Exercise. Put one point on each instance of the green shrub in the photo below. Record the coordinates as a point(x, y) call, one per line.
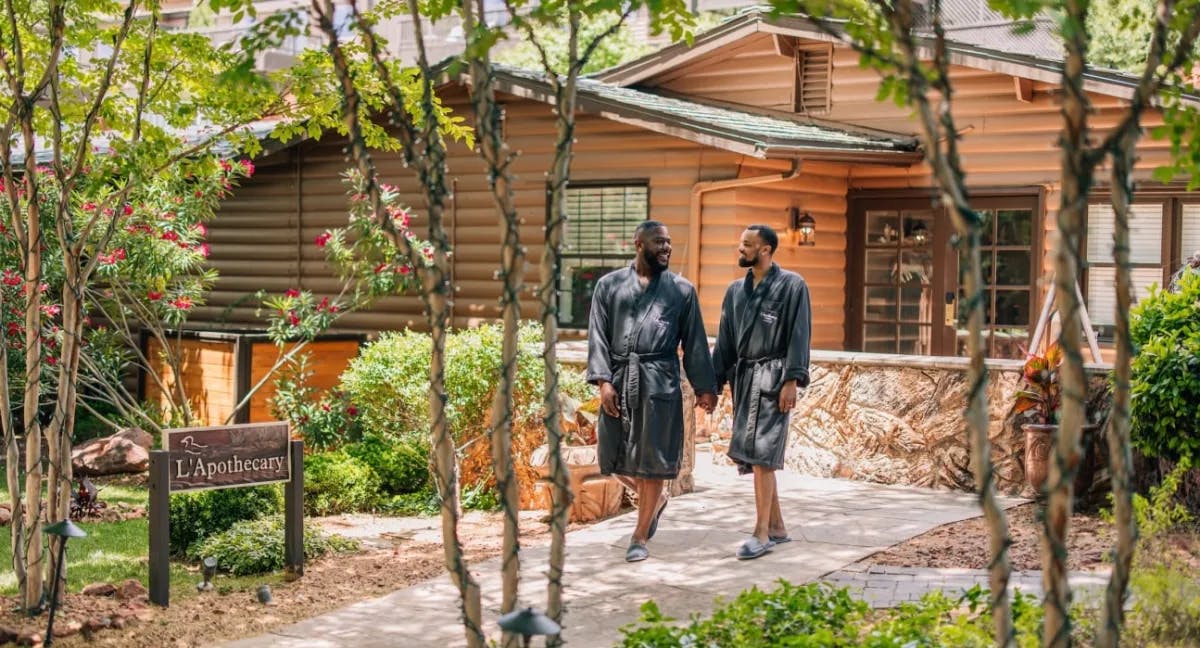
point(1165, 328)
point(196, 516)
point(335, 482)
point(420, 503)
point(818, 615)
point(256, 546)
point(402, 467)
point(389, 381)
point(325, 420)
point(1166, 607)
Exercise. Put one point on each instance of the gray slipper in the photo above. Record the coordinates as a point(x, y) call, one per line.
point(752, 549)
point(636, 552)
point(777, 540)
point(654, 522)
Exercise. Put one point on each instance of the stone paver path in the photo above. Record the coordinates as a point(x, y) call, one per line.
point(884, 586)
point(834, 523)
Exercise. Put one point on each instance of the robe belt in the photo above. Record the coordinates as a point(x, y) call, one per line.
point(756, 366)
point(631, 391)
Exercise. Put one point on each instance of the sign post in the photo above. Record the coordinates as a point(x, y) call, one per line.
point(233, 456)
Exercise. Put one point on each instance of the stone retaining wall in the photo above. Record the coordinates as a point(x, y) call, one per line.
point(899, 420)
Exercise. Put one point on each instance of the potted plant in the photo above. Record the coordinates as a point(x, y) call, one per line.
point(1040, 399)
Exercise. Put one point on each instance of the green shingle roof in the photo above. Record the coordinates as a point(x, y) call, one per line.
point(757, 134)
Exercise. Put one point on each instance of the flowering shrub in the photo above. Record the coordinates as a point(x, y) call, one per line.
point(147, 249)
point(364, 256)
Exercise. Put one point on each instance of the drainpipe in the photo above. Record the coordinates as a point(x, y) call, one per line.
point(697, 202)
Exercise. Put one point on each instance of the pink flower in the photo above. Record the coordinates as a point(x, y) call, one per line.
point(200, 229)
point(154, 295)
point(404, 269)
point(352, 410)
point(198, 193)
point(380, 268)
point(128, 210)
point(51, 360)
point(323, 305)
point(182, 303)
point(325, 406)
point(293, 318)
point(170, 236)
point(51, 309)
point(248, 167)
point(205, 250)
point(225, 165)
point(89, 206)
point(292, 293)
point(11, 278)
point(323, 239)
point(119, 254)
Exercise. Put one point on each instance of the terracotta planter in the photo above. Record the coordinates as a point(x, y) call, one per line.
point(1039, 449)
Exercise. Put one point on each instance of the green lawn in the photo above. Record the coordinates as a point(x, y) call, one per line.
point(115, 551)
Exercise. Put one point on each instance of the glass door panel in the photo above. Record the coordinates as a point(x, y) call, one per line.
point(898, 292)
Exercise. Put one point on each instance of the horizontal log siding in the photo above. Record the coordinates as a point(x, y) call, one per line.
point(820, 188)
point(208, 370)
point(263, 237)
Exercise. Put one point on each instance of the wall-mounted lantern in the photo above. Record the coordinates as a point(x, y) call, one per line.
point(802, 227)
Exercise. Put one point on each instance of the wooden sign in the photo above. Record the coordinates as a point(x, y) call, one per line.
point(227, 456)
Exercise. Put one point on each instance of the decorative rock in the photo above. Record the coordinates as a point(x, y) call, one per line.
point(92, 625)
point(5, 514)
point(67, 627)
point(29, 639)
point(130, 589)
point(596, 496)
point(117, 621)
point(127, 451)
point(99, 589)
point(7, 636)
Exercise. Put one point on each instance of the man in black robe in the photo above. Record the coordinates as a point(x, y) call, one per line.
point(762, 351)
point(640, 316)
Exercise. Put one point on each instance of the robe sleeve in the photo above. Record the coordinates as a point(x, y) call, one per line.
point(725, 351)
point(697, 361)
point(798, 343)
point(599, 366)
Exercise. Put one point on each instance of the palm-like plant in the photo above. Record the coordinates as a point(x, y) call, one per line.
point(1041, 392)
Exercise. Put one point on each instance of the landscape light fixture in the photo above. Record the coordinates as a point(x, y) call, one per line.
point(64, 530)
point(210, 572)
point(802, 227)
point(528, 622)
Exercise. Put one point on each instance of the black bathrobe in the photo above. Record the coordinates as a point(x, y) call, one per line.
point(634, 335)
point(762, 342)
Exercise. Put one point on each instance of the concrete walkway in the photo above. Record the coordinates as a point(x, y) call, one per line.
point(884, 586)
point(834, 523)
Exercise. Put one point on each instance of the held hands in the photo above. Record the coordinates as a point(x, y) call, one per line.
point(608, 400)
point(707, 401)
point(787, 396)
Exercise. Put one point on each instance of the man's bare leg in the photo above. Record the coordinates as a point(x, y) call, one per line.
point(648, 491)
point(632, 484)
point(775, 527)
point(764, 501)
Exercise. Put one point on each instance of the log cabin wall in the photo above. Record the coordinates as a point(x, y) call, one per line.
point(1007, 140)
point(264, 235)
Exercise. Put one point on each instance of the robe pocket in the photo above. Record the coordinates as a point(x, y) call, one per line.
point(770, 378)
point(664, 416)
point(770, 311)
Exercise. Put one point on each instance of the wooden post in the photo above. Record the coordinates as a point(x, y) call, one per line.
point(160, 527)
point(293, 512)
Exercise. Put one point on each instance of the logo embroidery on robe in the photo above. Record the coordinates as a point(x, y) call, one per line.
point(769, 318)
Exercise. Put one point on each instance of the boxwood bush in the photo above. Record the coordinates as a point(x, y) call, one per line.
point(196, 516)
point(256, 546)
point(402, 467)
point(389, 381)
point(1165, 327)
point(336, 482)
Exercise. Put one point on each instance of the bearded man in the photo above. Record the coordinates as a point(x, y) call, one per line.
point(762, 351)
point(640, 317)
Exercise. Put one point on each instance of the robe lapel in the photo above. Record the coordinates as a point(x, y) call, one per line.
point(643, 306)
point(749, 315)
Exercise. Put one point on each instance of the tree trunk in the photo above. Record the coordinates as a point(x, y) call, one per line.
point(498, 157)
point(1076, 183)
point(1119, 454)
point(62, 424)
point(31, 594)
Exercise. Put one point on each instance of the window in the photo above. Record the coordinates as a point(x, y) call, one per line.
point(906, 279)
point(598, 240)
point(1162, 232)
